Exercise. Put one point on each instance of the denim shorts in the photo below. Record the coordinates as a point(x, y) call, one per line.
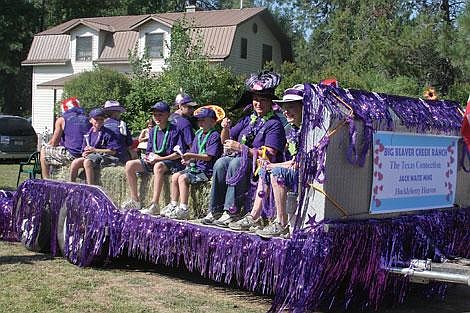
point(289, 177)
point(173, 166)
point(194, 176)
point(102, 160)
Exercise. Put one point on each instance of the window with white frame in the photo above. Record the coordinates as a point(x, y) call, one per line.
point(84, 48)
point(154, 45)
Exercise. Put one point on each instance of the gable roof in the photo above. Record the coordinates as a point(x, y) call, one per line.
point(217, 28)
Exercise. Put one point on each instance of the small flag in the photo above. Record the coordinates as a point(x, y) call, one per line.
point(465, 131)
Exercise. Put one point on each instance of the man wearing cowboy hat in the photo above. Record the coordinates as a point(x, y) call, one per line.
point(113, 110)
point(66, 142)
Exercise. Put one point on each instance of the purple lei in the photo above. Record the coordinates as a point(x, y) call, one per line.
point(242, 170)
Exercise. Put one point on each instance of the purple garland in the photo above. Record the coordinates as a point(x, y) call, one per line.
point(7, 229)
point(242, 170)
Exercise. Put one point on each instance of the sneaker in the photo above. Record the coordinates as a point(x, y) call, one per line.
point(131, 204)
point(273, 230)
point(211, 218)
point(245, 224)
point(153, 209)
point(179, 213)
point(226, 219)
point(166, 211)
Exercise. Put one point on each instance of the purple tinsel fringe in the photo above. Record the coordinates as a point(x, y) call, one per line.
point(341, 267)
point(7, 229)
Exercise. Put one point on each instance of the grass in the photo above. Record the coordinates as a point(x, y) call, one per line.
point(8, 176)
point(34, 282)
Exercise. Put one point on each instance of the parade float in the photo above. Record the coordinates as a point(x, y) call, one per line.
point(383, 196)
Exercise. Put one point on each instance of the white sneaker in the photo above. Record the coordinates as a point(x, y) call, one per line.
point(226, 219)
point(211, 218)
point(153, 209)
point(179, 213)
point(166, 211)
point(131, 204)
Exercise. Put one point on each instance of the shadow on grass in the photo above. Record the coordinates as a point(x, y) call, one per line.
point(24, 259)
point(183, 275)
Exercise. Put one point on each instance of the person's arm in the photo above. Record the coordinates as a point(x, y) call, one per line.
point(225, 133)
point(173, 156)
point(89, 150)
point(143, 135)
point(58, 131)
point(195, 156)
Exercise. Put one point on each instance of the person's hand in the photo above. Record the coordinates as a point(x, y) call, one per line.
point(88, 150)
point(232, 145)
point(226, 123)
point(186, 157)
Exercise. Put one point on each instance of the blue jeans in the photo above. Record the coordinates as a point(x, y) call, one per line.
point(224, 196)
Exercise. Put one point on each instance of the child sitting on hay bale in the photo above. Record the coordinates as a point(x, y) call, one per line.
point(159, 159)
point(281, 177)
point(205, 149)
point(98, 149)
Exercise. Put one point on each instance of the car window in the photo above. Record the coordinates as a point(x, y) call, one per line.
point(14, 126)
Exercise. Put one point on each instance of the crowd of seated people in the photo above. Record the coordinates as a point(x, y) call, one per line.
point(174, 147)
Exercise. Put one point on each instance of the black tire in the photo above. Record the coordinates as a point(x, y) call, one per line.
point(97, 260)
point(42, 241)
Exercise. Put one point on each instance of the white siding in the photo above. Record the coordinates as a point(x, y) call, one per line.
point(252, 63)
point(155, 28)
point(43, 99)
point(81, 31)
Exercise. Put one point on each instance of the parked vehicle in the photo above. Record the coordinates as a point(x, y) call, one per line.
point(18, 140)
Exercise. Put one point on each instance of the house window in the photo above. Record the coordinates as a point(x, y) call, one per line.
point(267, 55)
point(243, 48)
point(84, 48)
point(154, 45)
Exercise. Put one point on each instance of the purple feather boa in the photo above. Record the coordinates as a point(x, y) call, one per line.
point(242, 170)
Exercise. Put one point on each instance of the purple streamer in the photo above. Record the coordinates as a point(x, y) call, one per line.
point(242, 170)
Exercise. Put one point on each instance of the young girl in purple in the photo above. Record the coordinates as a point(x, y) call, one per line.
point(205, 149)
point(98, 149)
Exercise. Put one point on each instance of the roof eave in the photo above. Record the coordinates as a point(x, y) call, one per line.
point(112, 61)
point(44, 62)
point(150, 18)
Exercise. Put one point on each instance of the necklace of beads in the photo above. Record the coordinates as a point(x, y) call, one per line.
point(164, 142)
point(202, 145)
point(255, 129)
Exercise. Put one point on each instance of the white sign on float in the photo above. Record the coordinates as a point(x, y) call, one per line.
point(413, 172)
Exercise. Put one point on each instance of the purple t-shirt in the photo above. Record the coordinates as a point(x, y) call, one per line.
point(76, 125)
point(102, 139)
point(271, 134)
point(124, 141)
point(174, 138)
point(185, 127)
point(213, 148)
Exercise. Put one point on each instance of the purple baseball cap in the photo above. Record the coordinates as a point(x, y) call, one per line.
point(160, 106)
point(205, 112)
point(295, 93)
point(184, 99)
point(96, 112)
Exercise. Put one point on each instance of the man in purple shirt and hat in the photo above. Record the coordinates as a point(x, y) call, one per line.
point(113, 110)
point(98, 148)
point(159, 159)
point(261, 130)
point(66, 142)
point(183, 118)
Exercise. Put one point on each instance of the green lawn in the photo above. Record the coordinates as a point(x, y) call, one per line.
point(8, 176)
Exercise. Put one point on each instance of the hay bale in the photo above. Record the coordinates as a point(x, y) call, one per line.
point(113, 181)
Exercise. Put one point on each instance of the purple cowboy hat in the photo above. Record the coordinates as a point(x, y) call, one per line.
point(113, 106)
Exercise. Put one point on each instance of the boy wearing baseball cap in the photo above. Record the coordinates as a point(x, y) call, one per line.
point(205, 149)
point(159, 159)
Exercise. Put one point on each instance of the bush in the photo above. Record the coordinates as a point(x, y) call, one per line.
point(94, 87)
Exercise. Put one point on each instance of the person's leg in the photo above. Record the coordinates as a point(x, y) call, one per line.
point(88, 165)
point(74, 167)
point(175, 191)
point(219, 186)
point(258, 203)
point(280, 196)
point(183, 184)
point(132, 167)
point(44, 165)
point(235, 195)
point(159, 170)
